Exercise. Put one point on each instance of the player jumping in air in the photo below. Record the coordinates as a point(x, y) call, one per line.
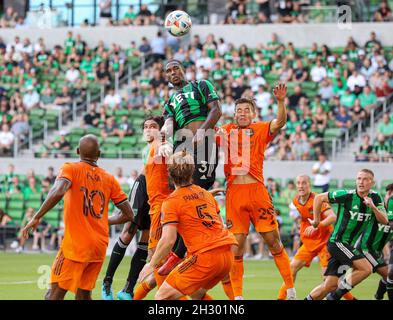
point(87, 190)
point(314, 240)
point(247, 199)
point(371, 244)
point(190, 115)
point(192, 212)
point(357, 209)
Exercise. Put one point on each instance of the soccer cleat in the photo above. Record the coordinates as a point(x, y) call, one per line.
point(291, 294)
point(238, 298)
point(123, 295)
point(106, 291)
point(170, 264)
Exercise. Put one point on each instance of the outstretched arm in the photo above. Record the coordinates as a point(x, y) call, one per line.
point(319, 199)
point(213, 116)
point(55, 194)
point(280, 92)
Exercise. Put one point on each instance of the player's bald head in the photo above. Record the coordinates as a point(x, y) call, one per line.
point(89, 147)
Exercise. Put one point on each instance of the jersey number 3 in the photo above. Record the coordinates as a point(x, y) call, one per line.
point(88, 202)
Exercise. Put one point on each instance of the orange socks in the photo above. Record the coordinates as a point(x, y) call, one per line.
point(282, 294)
point(236, 276)
point(349, 296)
point(141, 291)
point(284, 267)
point(227, 286)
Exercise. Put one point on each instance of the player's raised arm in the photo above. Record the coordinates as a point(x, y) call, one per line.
point(213, 104)
point(55, 194)
point(280, 92)
point(318, 201)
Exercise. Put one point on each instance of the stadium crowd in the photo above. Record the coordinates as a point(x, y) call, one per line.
point(295, 11)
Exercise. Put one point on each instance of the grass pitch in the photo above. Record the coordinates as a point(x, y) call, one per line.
point(25, 276)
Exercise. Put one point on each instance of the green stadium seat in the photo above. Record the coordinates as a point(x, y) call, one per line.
point(78, 131)
point(16, 215)
point(3, 201)
point(333, 184)
point(137, 113)
point(111, 140)
point(332, 133)
point(109, 151)
point(121, 112)
point(95, 131)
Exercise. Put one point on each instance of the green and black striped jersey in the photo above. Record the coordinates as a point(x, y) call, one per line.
point(189, 103)
point(377, 235)
point(353, 216)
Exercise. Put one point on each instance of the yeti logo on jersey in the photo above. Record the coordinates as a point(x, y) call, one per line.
point(359, 216)
point(178, 99)
point(385, 228)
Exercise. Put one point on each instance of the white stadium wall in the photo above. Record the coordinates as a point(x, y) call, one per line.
point(274, 169)
point(302, 35)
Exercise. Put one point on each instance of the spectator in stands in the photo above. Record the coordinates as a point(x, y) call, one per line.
point(125, 127)
point(92, 118)
point(356, 79)
point(6, 140)
point(367, 69)
point(386, 127)
point(47, 98)
point(301, 147)
point(64, 100)
point(326, 91)
point(382, 149)
point(367, 99)
point(347, 99)
point(20, 126)
point(130, 16)
point(158, 47)
point(72, 75)
point(321, 172)
point(145, 48)
point(9, 19)
point(145, 16)
point(14, 187)
point(289, 192)
point(120, 176)
point(365, 150)
point(357, 113)
point(343, 119)
point(384, 13)
point(51, 177)
point(4, 220)
point(295, 98)
point(318, 72)
point(103, 75)
point(31, 188)
point(105, 12)
point(31, 98)
point(19, 244)
point(61, 148)
point(112, 99)
point(110, 129)
point(132, 178)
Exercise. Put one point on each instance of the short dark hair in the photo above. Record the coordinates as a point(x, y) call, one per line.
point(159, 119)
point(389, 187)
point(174, 61)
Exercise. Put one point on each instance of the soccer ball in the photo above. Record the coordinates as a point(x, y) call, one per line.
point(178, 23)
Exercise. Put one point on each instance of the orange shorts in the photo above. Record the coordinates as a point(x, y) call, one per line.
point(201, 270)
point(249, 202)
point(307, 256)
point(155, 227)
point(73, 275)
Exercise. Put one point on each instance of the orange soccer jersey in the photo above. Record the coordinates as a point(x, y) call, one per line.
point(245, 149)
point(196, 213)
point(157, 179)
point(86, 210)
point(320, 237)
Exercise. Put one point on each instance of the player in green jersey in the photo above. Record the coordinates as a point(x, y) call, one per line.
point(357, 208)
point(191, 114)
point(389, 208)
point(371, 244)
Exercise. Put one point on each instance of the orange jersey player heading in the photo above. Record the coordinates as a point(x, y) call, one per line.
point(245, 149)
point(197, 215)
point(86, 210)
point(320, 237)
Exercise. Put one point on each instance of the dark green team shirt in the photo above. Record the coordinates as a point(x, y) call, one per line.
point(377, 235)
point(353, 216)
point(190, 103)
